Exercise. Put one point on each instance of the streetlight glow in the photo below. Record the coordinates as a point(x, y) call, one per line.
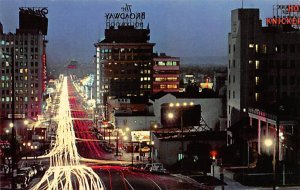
point(170, 115)
point(268, 142)
point(177, 104)
point(6, 131)
point(127, 129)
point(184, 104)
point(11, 125)
point(191, 103)
point(26, 122)
point(171, 105)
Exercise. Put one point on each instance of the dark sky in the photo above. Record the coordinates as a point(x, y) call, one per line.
point(180, 28)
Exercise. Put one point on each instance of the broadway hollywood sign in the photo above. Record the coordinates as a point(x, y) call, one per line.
point(125, 18)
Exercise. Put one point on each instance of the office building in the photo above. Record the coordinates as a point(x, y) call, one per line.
point(123, 63)
point(165, 74)
point(26, 50)
point(263, 79)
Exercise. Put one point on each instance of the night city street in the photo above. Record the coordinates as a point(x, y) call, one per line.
point(149, 95)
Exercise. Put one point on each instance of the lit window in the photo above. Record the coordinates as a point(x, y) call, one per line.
point(264, 49)
point(161, 63)
point(251, 45)
point(256, 80)
point(141, 78)
point(257, 64)
point(250, 61)
point(256, 48)
point(256, 96)
point(169, 63)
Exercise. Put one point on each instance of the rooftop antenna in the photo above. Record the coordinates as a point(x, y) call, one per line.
point(277, 9)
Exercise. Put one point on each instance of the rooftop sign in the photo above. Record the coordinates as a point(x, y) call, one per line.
point(37, 11)
point(285, 15)
point(125, 18)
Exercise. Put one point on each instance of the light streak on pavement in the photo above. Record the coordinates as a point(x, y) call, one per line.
point(65, 171)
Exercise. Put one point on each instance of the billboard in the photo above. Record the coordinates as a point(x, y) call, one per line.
point(190, 114)
point(33, 18)
point(140, 136)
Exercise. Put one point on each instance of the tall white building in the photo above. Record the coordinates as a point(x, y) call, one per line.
point(263, 65)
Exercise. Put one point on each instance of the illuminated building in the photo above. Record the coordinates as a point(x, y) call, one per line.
point(263, 82)
point(28, 47)
point(165, 74)
point(124, 63)
point(258, 58)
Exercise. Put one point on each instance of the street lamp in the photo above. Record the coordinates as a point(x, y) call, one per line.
point(117, 140)
point(26, 122)
point(26, 150)
point(151, 143)
point(13, 132)
point(269, 142)
point(171, 116)
point(34, 148)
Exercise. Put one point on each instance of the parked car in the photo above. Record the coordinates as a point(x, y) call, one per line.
point(22, 180)
point(103, 143)
point(39, 168)
point(108, 149)
point(155, 167)
point(99, 136)
point(28, 170)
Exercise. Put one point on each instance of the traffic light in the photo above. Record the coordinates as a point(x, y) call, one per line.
point(213, 154)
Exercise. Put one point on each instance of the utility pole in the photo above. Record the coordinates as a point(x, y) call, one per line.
point(181, 125)
point(13, 132)
point(117, 140)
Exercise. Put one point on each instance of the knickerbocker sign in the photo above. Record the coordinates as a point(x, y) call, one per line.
point(285, 15)
point(125, 18)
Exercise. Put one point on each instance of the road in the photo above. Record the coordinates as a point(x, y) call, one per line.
point(75, 157)
point(87, 142)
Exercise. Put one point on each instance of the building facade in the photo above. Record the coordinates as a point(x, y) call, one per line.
point(166, 74)
point(26, 52)
point(123, 63)
point(263, 64)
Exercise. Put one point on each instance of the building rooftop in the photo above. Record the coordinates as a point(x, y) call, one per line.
point(126, 34)
point(204, 94)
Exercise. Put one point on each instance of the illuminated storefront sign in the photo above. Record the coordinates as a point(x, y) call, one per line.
point(285, 15)
point(125, 18)
point(140, 136)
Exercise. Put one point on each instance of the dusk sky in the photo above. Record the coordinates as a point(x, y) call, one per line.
point(180, 28)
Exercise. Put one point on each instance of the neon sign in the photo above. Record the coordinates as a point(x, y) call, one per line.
point(125, 18)
point(37, 11)
point(285, 15)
